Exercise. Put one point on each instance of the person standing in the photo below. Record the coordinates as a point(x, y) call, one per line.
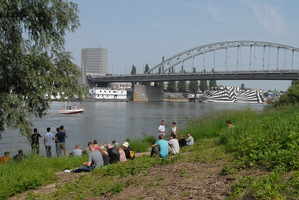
point(48, 141)
point(56, 142)
point(60, 137)
point(35, 141)
point(162, 129)
point(174, 128)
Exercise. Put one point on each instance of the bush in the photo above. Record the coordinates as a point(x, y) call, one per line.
point(270, 139)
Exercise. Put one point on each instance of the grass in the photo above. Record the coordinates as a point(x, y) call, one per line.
point(267, 141)
point(32, 173)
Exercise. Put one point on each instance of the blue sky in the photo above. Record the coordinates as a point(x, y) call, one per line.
point(142, 31)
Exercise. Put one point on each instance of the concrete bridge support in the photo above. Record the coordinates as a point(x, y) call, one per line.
point(148, 93)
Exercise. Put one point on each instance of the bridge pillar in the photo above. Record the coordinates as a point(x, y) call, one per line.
point(148, 93)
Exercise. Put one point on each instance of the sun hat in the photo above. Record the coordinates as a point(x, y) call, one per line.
point(126, 144)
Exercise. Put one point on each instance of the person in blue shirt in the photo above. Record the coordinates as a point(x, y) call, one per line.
point(162, 151)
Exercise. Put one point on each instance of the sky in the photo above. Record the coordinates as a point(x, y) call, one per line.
point(139, 32)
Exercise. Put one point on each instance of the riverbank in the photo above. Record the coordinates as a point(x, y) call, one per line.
point(257, 159)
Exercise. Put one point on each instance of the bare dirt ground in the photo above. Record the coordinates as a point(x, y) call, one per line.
point(185, 180)
point(179, 181)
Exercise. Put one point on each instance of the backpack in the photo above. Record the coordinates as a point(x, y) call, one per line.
point(132, 154)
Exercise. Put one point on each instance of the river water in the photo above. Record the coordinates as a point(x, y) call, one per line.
point(113, 121)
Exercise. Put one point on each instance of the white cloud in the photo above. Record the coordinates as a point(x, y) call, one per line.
point(216, 14)
point(269, 17)
point(158, 25)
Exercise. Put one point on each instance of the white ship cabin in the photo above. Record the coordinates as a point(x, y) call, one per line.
point(108, 94)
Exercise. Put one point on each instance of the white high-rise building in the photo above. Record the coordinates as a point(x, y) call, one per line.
point(94, 61)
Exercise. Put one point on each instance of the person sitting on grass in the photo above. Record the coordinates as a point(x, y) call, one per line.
point(174, 144)
point(20, 156)
point(95, 160)
point(86, 151)
point(77, 151)
point(113, 153)
point(182, 141)
point(96, 145)
point(163, 147)
point(229, 124)
point(105, 155)
point(5, 158)
point(122, 154)
point(130, 154)
point(189, 140)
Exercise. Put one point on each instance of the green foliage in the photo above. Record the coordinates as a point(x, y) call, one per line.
point(32, 173)
point(270, 139)
point(193, 86)
point(33, 60)
point(143, 145)
point(212, 83)
point(290, 97)
point(133, 70)
point(171, 87)
point(203, 85)
point(182, 86)
point(273, 186)
point(146, 69)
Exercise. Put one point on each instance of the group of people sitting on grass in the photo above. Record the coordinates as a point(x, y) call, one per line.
point(106, 154)
point(18, 157)
point(163, 148)
point(103, 155)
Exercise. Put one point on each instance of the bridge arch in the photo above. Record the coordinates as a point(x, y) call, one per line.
point(169, 64)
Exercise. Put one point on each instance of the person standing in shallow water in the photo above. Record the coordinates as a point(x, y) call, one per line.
point(35, 141)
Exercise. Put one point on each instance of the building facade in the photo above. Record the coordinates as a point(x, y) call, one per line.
point(94, 61)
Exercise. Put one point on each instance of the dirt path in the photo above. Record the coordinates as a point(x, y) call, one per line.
point(179, 181)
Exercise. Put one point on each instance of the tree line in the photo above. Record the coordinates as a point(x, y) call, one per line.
point(180, 86)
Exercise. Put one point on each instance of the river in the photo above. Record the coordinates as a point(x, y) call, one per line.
point(113, 121)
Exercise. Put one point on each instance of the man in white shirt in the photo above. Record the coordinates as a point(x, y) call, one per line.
point(48, 141)
point(174, 144)
point(189, 140)
point(162, 129)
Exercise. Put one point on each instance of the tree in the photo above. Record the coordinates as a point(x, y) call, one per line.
point(182, 86)
point(212, 83)
point(193, 86)
point(203, 85)
point(291, 96)
point(34, 63)
point(146, 69)
point(133, 72)
point(171, 86)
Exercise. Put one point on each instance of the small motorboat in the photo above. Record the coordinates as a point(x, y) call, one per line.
point(73, 111)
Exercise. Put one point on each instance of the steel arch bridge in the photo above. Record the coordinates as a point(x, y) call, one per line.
point(229, 60)
point(190, 54)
